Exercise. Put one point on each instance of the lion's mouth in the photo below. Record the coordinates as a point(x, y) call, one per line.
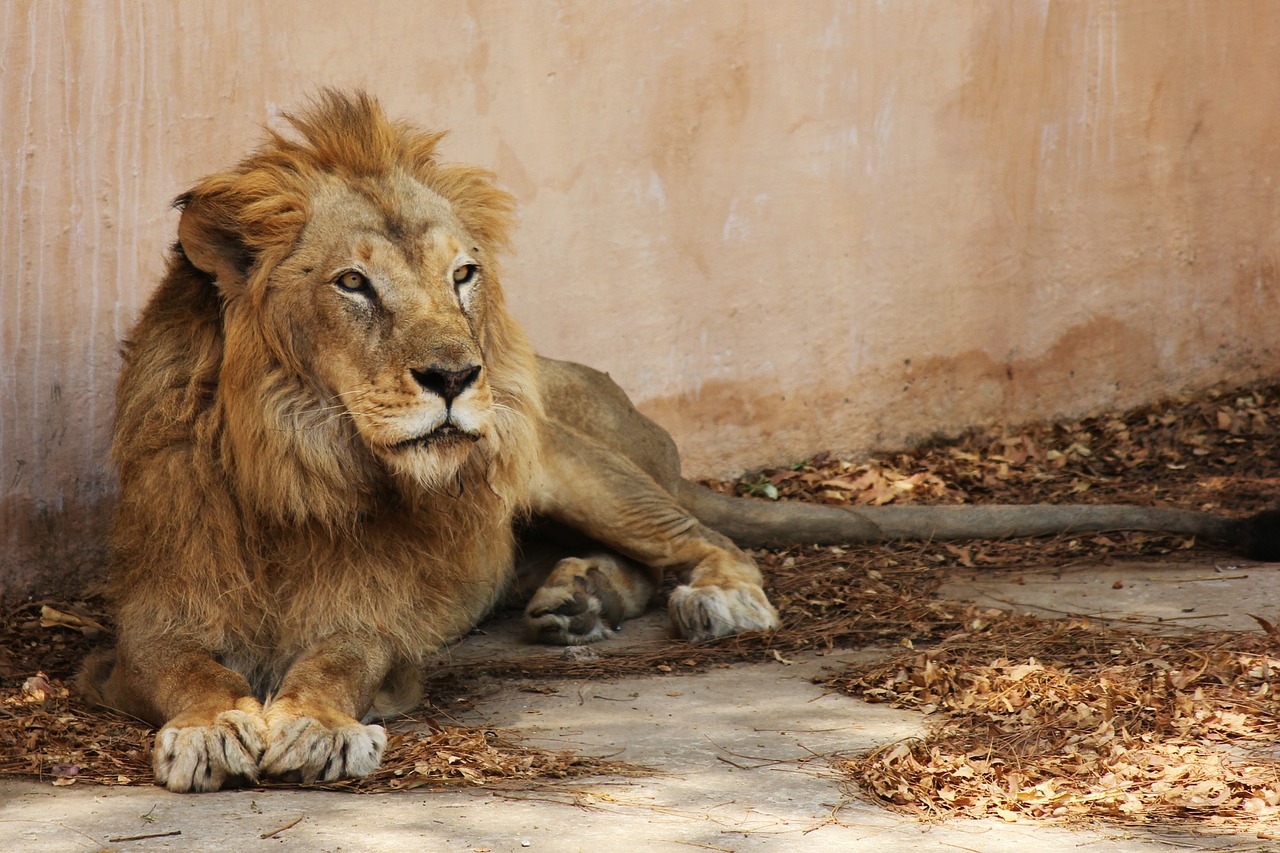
point(445, 434)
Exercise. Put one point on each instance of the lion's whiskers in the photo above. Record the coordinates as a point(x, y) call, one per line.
point(337, 411)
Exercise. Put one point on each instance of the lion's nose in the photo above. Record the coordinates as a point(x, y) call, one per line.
point(445, 380)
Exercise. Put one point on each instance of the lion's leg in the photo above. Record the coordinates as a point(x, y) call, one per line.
point(608, 498)
point(314, 731)
point(585, 599)
point(211, 727)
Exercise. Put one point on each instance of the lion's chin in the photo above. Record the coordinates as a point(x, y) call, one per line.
point(431, 461)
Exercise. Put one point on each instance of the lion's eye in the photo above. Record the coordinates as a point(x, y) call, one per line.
point(353, 282)
point(465, 274)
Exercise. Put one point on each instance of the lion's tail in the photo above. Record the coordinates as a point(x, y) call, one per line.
point(756, 523)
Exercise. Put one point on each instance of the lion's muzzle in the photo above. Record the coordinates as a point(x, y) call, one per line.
point(448, 381)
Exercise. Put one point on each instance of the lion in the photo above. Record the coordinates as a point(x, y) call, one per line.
point(329, 433)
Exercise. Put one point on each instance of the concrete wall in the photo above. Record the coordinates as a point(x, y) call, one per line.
point(781, 226)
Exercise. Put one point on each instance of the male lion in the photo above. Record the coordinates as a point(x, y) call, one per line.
point(327, 427)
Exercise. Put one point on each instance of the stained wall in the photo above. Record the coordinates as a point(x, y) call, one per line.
point(783, 227)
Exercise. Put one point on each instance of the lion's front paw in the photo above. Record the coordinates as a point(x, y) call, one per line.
point(303, 749)
point(706, 612)
point(578, 605)
point(205, 757)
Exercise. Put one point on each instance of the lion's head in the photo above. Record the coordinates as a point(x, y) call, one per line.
point(365, 345)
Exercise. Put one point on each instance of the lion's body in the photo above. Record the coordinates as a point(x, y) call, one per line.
point(327, 429)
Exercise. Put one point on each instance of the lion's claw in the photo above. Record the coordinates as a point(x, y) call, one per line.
point(303, 749)
point(204, 758)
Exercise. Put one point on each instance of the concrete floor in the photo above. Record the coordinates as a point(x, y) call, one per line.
point(735, 752)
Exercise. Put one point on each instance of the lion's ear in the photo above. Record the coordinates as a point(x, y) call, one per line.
point(209, 233)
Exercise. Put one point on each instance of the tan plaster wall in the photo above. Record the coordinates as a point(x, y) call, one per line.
point(781, 226)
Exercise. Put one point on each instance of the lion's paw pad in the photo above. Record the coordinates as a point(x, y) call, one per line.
point(303, 749)
point(707, 612)
point(570, 616)
point(204, 758)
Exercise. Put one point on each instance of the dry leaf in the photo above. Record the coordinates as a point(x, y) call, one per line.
point(52, 618)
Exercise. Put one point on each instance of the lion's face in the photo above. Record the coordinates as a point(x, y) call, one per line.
point(383, 304)
point(361, 341)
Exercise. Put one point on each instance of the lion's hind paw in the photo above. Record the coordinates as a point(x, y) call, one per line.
point(707, 612)
point(584, 601)
point(204, 758)
point(303, 749)
point(564, 616)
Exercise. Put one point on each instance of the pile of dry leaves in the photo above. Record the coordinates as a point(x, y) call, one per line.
point(1215, 452)
point(1067, 719)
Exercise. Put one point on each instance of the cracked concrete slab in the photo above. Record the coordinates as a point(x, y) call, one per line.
point(1199, 592)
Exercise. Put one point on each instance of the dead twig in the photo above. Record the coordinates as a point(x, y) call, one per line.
point(1198, 579)
point(125, 838)
point(290, 825)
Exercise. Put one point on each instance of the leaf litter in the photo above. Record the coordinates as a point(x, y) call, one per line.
point(1067, 719)
point(46, 734)
point(1030, 718)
